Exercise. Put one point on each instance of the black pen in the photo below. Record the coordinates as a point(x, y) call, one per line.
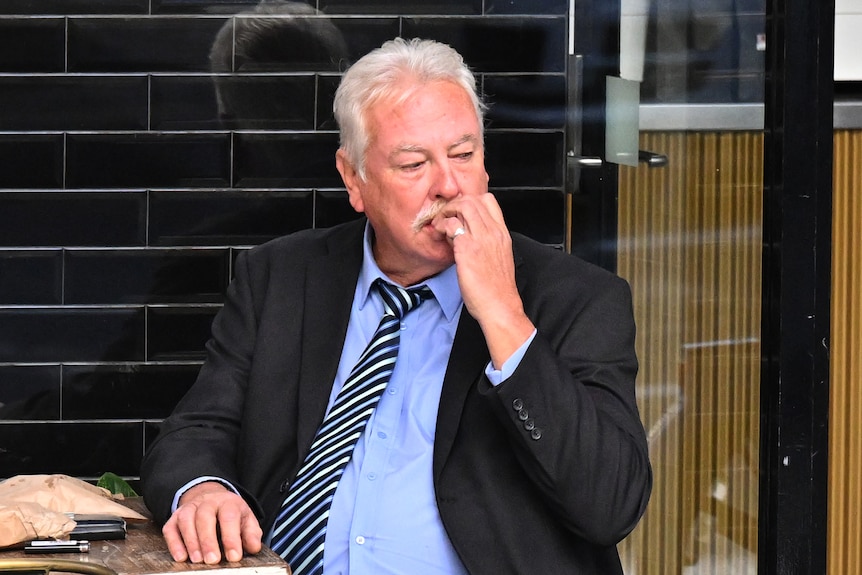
point(58, 546)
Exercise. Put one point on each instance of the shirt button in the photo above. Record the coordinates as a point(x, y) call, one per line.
point(403, 326)
point(381, 435)
point(360, 540)
point(392, 390)
point(372, 476)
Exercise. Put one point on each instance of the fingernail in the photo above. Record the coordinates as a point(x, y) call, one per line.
point(212, 558)
point(195, 557)
point(233, 555)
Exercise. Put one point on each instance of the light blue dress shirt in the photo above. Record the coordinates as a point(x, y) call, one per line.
point(384, 518)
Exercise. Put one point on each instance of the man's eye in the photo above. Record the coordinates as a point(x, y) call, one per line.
point(464, 156)
point(411, 166)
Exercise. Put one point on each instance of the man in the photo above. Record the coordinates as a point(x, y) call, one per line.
point(507, 440)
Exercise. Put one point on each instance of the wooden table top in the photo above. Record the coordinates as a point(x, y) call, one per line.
point(142, 552)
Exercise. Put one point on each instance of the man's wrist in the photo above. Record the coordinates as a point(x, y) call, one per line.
point(200, 481)
point(498, 376)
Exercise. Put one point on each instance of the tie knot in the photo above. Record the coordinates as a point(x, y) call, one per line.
point(398, 300)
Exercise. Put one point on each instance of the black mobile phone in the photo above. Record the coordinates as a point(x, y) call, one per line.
point(93, 527)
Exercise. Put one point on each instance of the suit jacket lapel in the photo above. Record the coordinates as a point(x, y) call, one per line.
point(466, 365)
point(331, 282)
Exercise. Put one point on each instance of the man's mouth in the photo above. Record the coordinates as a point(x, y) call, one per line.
point(427, 215)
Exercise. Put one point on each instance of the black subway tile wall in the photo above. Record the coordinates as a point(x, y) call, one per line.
point(65, 334)
point(145, 276)
point(152, 159)
point(229, 217)
point(140, 153)
point(31, 277)
point(101, 103)
point(31, 160)
point(137, 44)
point(50, 218)
point(32, 45)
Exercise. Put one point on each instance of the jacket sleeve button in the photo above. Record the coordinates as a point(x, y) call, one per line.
point(284, 485)
point(517, 404)
point(523, 415)
point(536, 434)
point(530, 425)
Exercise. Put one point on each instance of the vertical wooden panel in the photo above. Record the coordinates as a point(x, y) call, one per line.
point(844, 530)
point(690, 246)
point(689, 243)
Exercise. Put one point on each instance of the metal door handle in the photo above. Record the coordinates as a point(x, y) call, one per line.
point(589, 161)
point(652, 159)
point(584, 161)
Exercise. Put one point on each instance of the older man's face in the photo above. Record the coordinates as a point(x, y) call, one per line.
point(426, 149)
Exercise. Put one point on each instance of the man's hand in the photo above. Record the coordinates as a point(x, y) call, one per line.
point(486, 271)
point(206, 512)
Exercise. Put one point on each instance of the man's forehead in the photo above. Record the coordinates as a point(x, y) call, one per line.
point(411, 89)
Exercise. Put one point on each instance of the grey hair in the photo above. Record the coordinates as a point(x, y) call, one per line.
point(379, 75)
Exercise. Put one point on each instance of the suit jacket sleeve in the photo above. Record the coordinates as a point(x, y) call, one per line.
point(201, 436)
point(569, 409)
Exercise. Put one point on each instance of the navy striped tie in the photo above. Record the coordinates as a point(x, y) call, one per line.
point(300, 526)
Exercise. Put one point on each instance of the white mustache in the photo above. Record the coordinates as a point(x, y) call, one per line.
point(427, 214)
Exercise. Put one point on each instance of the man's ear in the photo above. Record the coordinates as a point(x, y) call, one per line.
point(351, 180)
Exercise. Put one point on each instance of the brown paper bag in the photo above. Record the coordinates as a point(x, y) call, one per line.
point(64, 494)
point(22, 521)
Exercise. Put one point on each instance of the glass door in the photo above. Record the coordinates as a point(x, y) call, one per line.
point(686, 233)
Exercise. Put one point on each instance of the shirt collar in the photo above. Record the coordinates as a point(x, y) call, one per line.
point(444, 285)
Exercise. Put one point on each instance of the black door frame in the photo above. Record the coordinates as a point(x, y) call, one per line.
point(797, 239)
point(592, 188)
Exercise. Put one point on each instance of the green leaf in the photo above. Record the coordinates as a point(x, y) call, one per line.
point(116, 484)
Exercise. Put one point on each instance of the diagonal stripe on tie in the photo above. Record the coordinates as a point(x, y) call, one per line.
point(300, 527)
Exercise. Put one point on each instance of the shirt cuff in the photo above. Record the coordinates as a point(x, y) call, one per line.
point(193, 482)
point(498, 376)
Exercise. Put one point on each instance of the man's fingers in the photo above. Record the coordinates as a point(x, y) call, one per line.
point(181, 536)
point(174, 540)
point(209, 523)
point(239, 531)
point(252, 534)
point(493, 206)
point(207, 527)
point(479, 215)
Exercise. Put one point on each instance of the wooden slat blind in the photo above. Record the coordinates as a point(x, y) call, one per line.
point(690, 244)
point(844, 529)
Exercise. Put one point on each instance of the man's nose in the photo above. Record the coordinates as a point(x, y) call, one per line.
point(445, 183)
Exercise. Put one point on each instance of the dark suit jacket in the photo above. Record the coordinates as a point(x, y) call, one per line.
point(542, 474)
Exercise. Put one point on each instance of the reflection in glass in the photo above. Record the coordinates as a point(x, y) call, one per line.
point(274, 37)
point(690, 242)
